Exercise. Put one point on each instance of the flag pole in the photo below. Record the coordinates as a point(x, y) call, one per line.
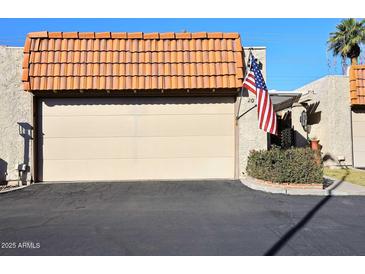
point(238, 116)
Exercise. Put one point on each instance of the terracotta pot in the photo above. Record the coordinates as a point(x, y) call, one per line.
point(314, 144)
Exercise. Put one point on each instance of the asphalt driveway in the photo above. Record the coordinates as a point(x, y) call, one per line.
point(176, 218)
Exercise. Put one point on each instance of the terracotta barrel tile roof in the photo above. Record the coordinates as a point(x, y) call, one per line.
point(357, 85)
point(132, 61)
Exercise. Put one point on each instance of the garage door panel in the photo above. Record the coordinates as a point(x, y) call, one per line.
point(87, 148)
point(191, 146)
point(142, 147)
point(157, 125)
point(358, 141)
point(88, 126)
point(185, 125)
point(359, 151)
point(135, 106)
point(358, 115)
point(358, 132)
point(359, 129)
point(138, 169)
point(359, 158)
point(138, 138)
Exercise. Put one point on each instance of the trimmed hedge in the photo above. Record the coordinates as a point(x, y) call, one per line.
point(294, 165)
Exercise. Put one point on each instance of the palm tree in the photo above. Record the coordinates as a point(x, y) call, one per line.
point(347, 39)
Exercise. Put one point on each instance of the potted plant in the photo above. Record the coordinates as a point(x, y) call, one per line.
point(314, 143)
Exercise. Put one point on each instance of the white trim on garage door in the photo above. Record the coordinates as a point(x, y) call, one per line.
point(145, 138)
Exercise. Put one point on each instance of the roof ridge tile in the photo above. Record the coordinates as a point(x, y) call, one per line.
point(167, 35)
point(135, 35)
point(183, 35)
point(216, 35)
point(102, 35)
point(151, 35)
point(121, 35)
point(55, 35)
point(70, 35)
point(90, 35)
point(38, 34)
point(199, 35)
point(231, 35)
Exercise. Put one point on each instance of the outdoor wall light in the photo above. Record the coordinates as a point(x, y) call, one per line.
point(25, 130)
point(304, 120)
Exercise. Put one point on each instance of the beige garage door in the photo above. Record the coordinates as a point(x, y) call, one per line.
point(136, 139)
point(358, 131)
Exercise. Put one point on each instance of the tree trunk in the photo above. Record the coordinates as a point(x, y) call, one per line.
point(354, 61)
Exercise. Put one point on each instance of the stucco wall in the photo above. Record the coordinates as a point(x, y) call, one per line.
point(332, 121)
point(250, 136)
point(15, 107)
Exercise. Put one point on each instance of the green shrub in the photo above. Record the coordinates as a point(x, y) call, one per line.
point(294, 165)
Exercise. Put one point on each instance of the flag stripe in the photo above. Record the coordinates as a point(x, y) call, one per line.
point(268, 118)
point(250, 87)
point(264, 108)
point(259, 106)
point(249, 82)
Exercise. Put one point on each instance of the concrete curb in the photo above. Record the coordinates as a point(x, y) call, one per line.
point(13, 189)
point(351, 190)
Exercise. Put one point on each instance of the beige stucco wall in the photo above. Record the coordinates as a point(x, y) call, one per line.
point(15, 106)
point(333, 113)
point(250, 136)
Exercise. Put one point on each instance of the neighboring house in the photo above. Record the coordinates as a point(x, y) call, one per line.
point(126, 106)
point(335, 107)
point(327, 103)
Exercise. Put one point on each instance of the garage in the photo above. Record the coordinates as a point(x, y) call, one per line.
point(134, 106)
point(358, 134)
point(136, 139)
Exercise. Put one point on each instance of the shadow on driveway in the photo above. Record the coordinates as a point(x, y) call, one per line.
point(288, 235)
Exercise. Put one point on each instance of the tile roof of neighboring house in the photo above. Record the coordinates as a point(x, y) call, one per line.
point(357, 85)
point(132, 61)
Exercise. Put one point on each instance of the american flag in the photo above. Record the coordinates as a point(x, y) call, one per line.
point(255, 83)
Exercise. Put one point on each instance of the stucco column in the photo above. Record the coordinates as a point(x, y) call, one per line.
point(300, 135)
point(250, 137)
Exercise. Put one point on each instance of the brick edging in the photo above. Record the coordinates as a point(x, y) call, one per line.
point(287, 185)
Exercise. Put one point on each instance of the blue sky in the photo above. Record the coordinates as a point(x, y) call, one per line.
point(296, 48)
